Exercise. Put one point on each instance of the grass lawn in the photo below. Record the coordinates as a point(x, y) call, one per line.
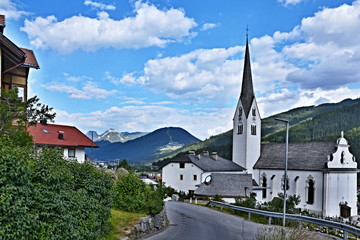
point(122, 223)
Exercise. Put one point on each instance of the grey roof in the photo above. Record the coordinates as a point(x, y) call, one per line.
point(247, 91)
point(208, 163)
point(226, 185)
point(302, 156)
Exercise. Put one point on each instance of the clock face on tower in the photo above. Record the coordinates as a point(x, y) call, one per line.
point(208, 180)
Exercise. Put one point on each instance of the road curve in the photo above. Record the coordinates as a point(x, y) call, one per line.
point(191, 222)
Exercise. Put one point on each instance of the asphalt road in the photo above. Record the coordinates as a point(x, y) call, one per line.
point(191, 222)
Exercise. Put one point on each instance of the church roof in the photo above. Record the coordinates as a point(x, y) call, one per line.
point(207, 163)
point(226, 185)
point(247, 91)
point(302, 156)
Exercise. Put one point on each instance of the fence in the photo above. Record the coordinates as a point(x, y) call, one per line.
point(322, 222)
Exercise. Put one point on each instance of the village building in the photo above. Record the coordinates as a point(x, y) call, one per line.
point(15, 64)
point(187, 171)
point(69, 139)
point(324, 175)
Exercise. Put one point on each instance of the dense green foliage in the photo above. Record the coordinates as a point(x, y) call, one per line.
point(133, 195)
point(277, 204)
point(124, 164)
point(43, 196)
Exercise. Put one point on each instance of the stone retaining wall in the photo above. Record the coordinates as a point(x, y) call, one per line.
point(149, 225)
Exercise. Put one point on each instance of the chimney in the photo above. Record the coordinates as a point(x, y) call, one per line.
point(2, 23)
point(191, 152)
point(61, 135)
point(214, 155)
point(43, 122)
point(206, 153)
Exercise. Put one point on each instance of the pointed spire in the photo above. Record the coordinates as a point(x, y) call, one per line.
point(247, 91)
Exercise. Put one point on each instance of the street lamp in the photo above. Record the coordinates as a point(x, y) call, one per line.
point(286, 162)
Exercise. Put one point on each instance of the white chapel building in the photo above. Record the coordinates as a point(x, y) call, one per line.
point(324, 174)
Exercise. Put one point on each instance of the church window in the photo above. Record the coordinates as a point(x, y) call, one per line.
point(254, 112)
point(310, 190)
point(285, 183)
point(264, 185)
point(240, 128)
point(253, 129)
point(182, 165)
point(342, 159)
point(181, 177)
point(195, 177)
point(240, 112)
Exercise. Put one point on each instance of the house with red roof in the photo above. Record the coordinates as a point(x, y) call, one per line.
point(71, 140)
point(15, 64)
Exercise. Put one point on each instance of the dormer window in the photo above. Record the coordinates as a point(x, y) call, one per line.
point(61, 135)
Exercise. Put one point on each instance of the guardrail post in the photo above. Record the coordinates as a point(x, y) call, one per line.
point(249, 216)
point(300, 225)
point(345, 235)
point(269, 220)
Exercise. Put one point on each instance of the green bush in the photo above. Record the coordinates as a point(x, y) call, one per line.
point(45, 197)
point(133, 195)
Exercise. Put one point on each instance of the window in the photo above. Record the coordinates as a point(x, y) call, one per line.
point(254, 112)
point(182, 165)
point(181, 177)
point(264, 185)
point(310, 185)
point(253, 129)
point(240, 113)
point(240, 128)
point(285, 183)
point(195, 177)
point(342, 159)
point(71, 152)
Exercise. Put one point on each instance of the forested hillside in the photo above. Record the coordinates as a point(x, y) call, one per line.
point(314, 123)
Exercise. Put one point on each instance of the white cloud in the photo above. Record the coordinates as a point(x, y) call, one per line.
point(99, 5)
point(73, 78)
point(89, 90)
point(127, 79)
point(9, 9)
point(289, 2)
point(208, 26)
point(149, 118)
point(148, 27)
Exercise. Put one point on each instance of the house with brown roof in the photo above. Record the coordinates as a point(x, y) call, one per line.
point(68, 138)
point(15, 64)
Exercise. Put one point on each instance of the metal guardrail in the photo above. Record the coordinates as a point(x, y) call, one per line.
point(341, 226)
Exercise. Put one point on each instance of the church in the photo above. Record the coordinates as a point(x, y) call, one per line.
point(323, 174)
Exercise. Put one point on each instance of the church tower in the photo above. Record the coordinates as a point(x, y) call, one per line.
point(247, 121)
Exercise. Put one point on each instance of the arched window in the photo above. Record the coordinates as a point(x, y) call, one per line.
point(285, 183)
point(264, 185)
point(310, 190)
point(240, 128)
point(253, 129)
point(254, 112)
point(342, 159)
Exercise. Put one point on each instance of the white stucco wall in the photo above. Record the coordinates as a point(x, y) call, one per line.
point(79, 154)
point(171, 176)
point(341, 188)
point(246, 147)
point(295, 187)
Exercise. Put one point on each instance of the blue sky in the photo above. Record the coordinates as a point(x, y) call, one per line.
point(142, 65)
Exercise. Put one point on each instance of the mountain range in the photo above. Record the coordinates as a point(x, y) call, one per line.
point(312, 123)
point(141, 149)
point(112, 136)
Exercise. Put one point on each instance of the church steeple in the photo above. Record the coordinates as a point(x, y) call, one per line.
point(247, 91)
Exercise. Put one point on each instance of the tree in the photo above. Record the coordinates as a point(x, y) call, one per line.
point(14, 111)
point(124, 164)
